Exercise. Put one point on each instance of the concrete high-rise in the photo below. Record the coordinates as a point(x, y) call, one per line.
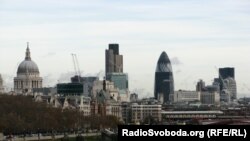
point(164, 81)
point(114, 61)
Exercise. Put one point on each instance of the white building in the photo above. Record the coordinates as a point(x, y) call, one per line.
point(114, 109)
point(80, 103)
point(27, 76)
point(230, 86)
point(186, 96)
point(140, 112)
point(124, 96)
point(225, 96)
point(109, 86)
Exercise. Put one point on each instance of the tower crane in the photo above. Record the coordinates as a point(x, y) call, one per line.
point(76, 66)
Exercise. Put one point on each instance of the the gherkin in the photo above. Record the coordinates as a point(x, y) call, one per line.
point(164, 80)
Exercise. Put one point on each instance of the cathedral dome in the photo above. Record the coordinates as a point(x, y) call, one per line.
point(28, 66)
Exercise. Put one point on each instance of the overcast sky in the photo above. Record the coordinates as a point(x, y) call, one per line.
point(199, 36)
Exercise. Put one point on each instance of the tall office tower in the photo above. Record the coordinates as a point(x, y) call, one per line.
point(164, 81)
point(227, 82)
point(226, 72)
point(114, 61)
point(200, 86)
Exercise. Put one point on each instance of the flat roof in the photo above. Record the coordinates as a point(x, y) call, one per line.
point(192, 112)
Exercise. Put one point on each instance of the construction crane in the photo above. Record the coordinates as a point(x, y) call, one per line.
point(76, 66)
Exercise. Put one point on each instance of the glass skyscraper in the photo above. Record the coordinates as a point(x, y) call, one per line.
point(120, 80)
point(164, 81)
point(226, 72)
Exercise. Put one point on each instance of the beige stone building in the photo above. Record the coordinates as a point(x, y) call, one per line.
point(140, 112)
point(28, 76)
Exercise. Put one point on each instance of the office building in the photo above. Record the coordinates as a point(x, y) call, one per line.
point(120, 80)
point(87, 82)
point(186, 96)
point(230, 85)
point(113, 60)
point(227, 84)
point(70, 89)
point(226, 72)
point(164, 81)
point(200, 86)
point(210, 97)
point(140, 112)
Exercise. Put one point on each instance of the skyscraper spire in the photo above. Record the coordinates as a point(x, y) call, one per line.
point(27, 56)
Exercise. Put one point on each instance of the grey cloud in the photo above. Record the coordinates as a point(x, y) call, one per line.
point(176, 61)
point(178, 71)
point(65, 77)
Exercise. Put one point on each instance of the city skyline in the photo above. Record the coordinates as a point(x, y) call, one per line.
point(198, 43)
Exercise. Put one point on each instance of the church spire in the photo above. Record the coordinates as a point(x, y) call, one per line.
point(27, 57)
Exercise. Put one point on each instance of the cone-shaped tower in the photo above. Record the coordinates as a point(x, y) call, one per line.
point(164, 80)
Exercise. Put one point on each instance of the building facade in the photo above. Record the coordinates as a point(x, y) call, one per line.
point(186, 96)
point(114, 109)
point(133, 97)
point(164, 81)
point(28, 76)
point(109, 87)
point(226, 72)
point(80, 103)
point(230, 85)
point(210, 97)
point(105, 105)
point(87, 82)
point(140, 112)
point(70, 89)
point(113, 60)
point(200, 86)
point(228, 82)
point(120, 80)
point(126, 112)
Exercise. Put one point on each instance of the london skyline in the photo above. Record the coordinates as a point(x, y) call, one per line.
point(198, 43)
